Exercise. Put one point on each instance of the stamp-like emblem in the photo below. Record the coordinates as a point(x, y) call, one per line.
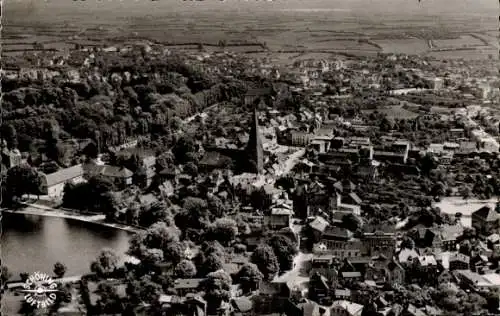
point(40, 290)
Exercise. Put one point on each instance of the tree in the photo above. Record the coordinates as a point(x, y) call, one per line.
point(164, 160)
point(223, 230)
point(174, 252)
point(217, 287)
point(249, 277)
point(10, 135)
point(438, 189)
point(465, 192)
point(408, 243)
point(5, 274)
point(106, 263)
point(284, 249)
point(109, 302)
point(158, 212)
point(59, 269)
point(24, 276)
point(91, 150)
point(143, 290)
point(493, 302)
point(212, 263)
point(159, 235)
point(22, 180)
point(152, 257)
point(191, 169)
point(185, 269)
point(182, 147)
point(265, 259)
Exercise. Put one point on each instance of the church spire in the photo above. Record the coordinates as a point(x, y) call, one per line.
point(254, 148)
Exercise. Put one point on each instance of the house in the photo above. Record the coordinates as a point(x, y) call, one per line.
point(342, 294)
point(411, 310)
point(449, 234)
point(478, 282)
point(190, 305)
point(11, 158)
point(120, 176)
point(323, 264)
point(53, 183)
point(319, 290)
point(279, 218)
point(379, 242)
point(304, 307)
point(382, 270)
point(318, 227)
point(486, 220)
point(241, 306)
point(345, 308)
point(186, 286)
point(407, 255)
point(458, 261)
point(339, 242)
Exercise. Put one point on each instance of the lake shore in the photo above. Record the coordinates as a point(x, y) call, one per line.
point(33, 209)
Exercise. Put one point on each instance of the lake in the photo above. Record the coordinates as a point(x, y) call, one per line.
point(34, 243)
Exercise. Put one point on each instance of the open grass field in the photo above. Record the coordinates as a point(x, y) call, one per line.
point(357, 27)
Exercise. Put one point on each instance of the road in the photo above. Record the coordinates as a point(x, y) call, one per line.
point(298, 276)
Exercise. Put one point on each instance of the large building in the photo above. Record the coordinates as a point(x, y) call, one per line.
point(254, 149)
point(54, 183)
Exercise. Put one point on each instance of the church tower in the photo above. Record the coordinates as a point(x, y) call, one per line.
point(254, 149)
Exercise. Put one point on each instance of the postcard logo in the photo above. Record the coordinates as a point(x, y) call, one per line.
point(40, 290)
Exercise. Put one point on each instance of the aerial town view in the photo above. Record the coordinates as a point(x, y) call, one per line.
point(245, 158)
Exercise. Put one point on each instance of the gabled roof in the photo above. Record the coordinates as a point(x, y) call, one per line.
point(242, 304)
point(319, 224)
point(352, 308)
point(355, 198)
point(337, 232)
point(486, 213)
point(64, 175)
point(354, 274)
point(187, 283)
point(115, 172)
point(456, 256)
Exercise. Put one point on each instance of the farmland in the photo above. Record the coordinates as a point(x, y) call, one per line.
point(283, 26)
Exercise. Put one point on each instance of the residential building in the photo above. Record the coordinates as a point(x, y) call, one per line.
point(379, 243)
point(300, 138)
point(486, 220)
point(345, 308)
point(383, 270)
point(54, 183)
point(279, 218)
point(11, 158)
point(458, 261)
point(339, 242)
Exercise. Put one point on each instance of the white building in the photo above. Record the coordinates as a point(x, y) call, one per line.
point(54, 182)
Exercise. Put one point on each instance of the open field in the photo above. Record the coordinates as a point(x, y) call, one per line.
point(407, 46)
point(462, 41)
point(357, 27)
